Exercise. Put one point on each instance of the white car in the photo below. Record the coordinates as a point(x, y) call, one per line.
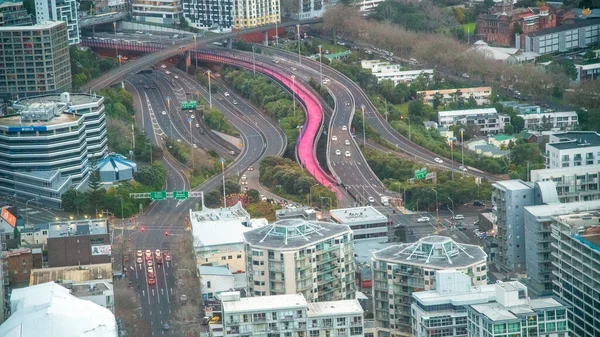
point(244, 177)
point(197, 125)
point(371, 199)
point(294, 69)
point(462, 168)
point(192, 116)
point(347, 154)
point(176, 77)
point(347, 142)
point(194, 146)
point(164, 113)
point(226, 94)
point(423, 219)
point(338, 152)
point(234, 102)
point(344, 128)
point(168, 72)
point(163, 66)
point(178, 140)
point(334, 138)
point(438, 160)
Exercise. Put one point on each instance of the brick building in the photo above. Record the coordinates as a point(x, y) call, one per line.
point(19, 263)
point(78, 243)
point(500, 25)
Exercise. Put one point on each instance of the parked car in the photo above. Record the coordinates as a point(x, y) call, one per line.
point(458, 217)
point(423, 219)
point(371, 199)
point(478, 203)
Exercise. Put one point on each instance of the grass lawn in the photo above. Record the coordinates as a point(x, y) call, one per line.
point(469, 27)
point(331, 47)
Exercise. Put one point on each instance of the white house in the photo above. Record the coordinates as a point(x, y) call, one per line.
point(215, 280)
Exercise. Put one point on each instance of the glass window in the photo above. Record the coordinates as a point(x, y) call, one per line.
point(513, 327)
point(550, 327)
point(550, 315)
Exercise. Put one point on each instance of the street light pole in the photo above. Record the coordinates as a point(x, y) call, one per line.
point(253, 61)
point(191, 143)
point(122, 217)
point(437, 213)
point(224, 193)
point(27, 214)
point(452, 153)
point(209, 91)
point(277, 30)
point(294, 93)
point(321, 63)
point(364, 123)
point(196, 50)
point(299, 57)
point(462, 147)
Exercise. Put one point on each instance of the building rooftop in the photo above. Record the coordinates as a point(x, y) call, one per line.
point(467, 112)
point(502, 137)
point(335, 308)
point(18, 120)
point(37, 27)
point(49, 310)
point(262, 303)
point(574, 140)
point(459, 294)
point(452, 91)
point(434, 252)
point(72, 273)
point(76, 99)
point(584, 226)
point(560, 209)
point(350, 216)
point(562, 28)
point(236, 211)
point(563, 171)
point(512, 185)
point(293, 233)
point(498, 312)
point(88, 288)
point(209, 270)
point(77, 227)
point(16, 252)
point(115, 163)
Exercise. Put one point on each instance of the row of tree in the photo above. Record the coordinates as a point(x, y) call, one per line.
point(86, 65)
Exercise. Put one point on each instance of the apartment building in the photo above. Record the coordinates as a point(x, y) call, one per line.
point(576, 269)
point(167, 12)
point(510, 197)
point(290, 315)
point(294, 256)
point(14, 14)
point(60, 10)
point(538, 222)
point(366, 6)
point(488, 120)
point(248, 14)
point(404, 269)
point(377, 66)
point(573, 184)
point(406, 76)
point(481, 95)
point(209, 14)
point(566, 120)
point(514, 313)
point(579, 35)
point(588, 71)
point(572, 149)
point(35, 59)
point(308, 9)
point(366, 222)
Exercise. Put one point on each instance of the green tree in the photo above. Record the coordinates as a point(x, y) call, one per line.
point(95, 190)
point(517, 29)
point(232, 186)
point(590, 55)
point(213, 198)
point(253, 195)
point(17, 234)
point(437, 100)
point(526, 152)
point(69, 200)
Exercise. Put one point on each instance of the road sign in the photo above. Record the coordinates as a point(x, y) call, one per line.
point(180, 195)
point(161, 195)
point(430, 175)
point(421, 174)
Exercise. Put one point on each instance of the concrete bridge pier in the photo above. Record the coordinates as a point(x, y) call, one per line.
point(266, 38)
point(230, 43)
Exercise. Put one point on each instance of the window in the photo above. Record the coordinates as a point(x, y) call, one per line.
point(239, 256)
point(314, 333)
point(230, 257)
point(208, 284)
point(223, 258)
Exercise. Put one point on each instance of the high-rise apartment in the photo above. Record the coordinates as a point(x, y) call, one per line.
point(209, 14)
point(576, 270)
point(166, 12)
point(294, 256)
point(572, 149)
point(13, 14)
point(247, 14)
point(308, 9)
point(581, 183)
point(35, 59)
point(60, 10)
point(401, 270)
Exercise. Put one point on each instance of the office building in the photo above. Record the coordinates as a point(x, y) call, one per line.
point(487, 119)
point(366, 222)
point(315, 259)
point(14, 14)
point(576, 269)
point(168, 12)
point(547, 121)
point(218, 236)
point(248, 14)
point(510, 197)
point(35, 59)
point(573, 184)
point(538, 221)
point(563, 39)
point(290, 315)
point(481, 95)
point(50, 310)
point(209, 14)
point(401, 270)
point(513, 313)
point(60, 10)
point(78, 242)
point(75, 124)
point(574, 148)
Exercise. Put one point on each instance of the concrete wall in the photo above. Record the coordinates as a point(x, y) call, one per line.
point(149, 28)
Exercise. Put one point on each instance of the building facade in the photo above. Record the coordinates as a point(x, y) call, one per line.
point(573, 149)
point(588, 71)
point(366, 222)
point(401, 270)
point(308, 9)
point(579, 35)
point(481, 95)
point(547, 121)
point(576, 269)
point(168, 12)
point(295, 256)
point(81, 242)
point(60, 10)
point(14, 14)
point(573, 184)
point(19, 263)
point(35, 59)
point(215, 280)
point(209, 14)
point(248, 14)
point(488, 120)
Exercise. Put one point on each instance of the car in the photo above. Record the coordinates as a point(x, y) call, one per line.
point(347, 104)
point(226, 94)
point(251, 168)
point(458, 217)
point(166, 327)
point(139, 260)
point(334, 138)
point(194, 146)
point(167, 256)
point(275, 61)
point(178, 140)
point(478, 203)
point(235, 103)
point(163, 66)
point(192, 116)
point(244, 177)
point(423, 219)
point(197, 125)
point(465, 75)
point(168, 72)
point(164, 113)
point(347, 154)
point(176, 77)
point(139, 253)
point(344, 128)
point(263, 198)
point(148, 253)
point(438, 160)
point(150, 270)
point(338, 152)
point(149, 262)
point(462, 168)
point(347, 142)
point(294, 69)
point(371, 199)
point(151, 280)
point(232, 153)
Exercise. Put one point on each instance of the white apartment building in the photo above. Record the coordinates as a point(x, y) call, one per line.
point(215, 280)
point(379, 66)
point(574, 148)
point(366, 222)
point(308, 9)
point(290, 315)
point(167, 12)
point(588, 71)
point(366, 6)
point(480, 94)
point(209, 14)
point(247, 14)
point(392, 72)
point(60, 10)
point(404, 269)
point(295, 256)
point(488, 120)
point(573, 184)
point(550, 120)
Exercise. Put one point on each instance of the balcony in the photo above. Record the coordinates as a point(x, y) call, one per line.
point(287, 318)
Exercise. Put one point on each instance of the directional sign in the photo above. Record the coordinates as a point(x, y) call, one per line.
point(161, 195)
point(222, 160)
point(180, 195)
point(421, 174)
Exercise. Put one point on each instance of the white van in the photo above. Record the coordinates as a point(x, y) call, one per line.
point(458, 217)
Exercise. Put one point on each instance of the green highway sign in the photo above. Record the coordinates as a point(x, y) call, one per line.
point(161, 195)
point(421, 174)
point(180, 195)
point(190, 105)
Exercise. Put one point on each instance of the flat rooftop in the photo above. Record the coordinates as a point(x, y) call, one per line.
point(467, 112)
point(562, 209)
point(350, 216)
point(88, 289)
point(452, 91)
point(39, 26)
point(293, 233)
point(437, 252)
point(71, 273)
point(481, 294)
point(262, 303)
point(575, 140)
point(498, 312)
point(512, 185)
point(559, 172)
point(335, 308)
point(585, 227)
point(76, 99)
point(78, 227)
point(219, 214)
point(16, 120)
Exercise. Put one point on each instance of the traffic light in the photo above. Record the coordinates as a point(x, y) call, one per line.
point(166, 233)
point(143, 229)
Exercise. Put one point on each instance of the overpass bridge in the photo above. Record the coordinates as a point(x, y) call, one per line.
point(158, 54)
point(100, 19)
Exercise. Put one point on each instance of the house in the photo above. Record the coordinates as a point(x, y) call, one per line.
point(480, 94)
point(215, 280)
point(392, 72)
point(430, 125)
point(482, 148)
point(550, 120)
point(527, 137)
point(501, 140)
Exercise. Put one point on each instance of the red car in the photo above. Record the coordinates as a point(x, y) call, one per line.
point(167, 256)
point(151, 280)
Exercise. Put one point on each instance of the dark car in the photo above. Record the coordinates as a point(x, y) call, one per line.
point(478, 203)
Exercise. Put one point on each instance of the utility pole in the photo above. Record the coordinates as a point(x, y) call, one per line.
point(253, 61)
point(223, 171)
point(452, 153)
point(321, 63)
point(299, 57)
point(462, 147)
point(191, 142)
point(437, 213)
point(294, 93)
point(132, 141)
point(196, 51)
point(364, 123)
point(209, 91)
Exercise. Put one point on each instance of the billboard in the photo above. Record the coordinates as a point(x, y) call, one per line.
point(8, 217)
point(101, 250)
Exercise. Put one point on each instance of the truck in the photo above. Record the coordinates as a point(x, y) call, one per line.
point(385, 201)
